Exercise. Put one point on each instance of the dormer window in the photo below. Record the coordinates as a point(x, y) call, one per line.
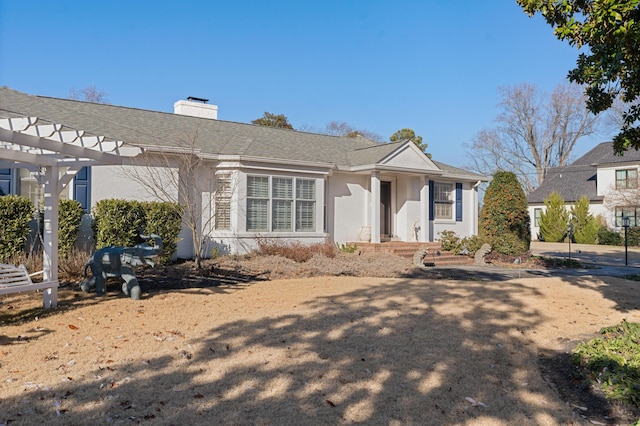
point(627, 179)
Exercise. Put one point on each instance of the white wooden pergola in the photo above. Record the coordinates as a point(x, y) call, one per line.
point(59, 152)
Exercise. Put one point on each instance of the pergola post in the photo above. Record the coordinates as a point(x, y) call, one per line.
point(50, 237)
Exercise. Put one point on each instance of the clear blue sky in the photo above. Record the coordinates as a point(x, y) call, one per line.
point(433, 66)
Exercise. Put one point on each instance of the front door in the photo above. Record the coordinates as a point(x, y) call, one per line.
point(385, 209)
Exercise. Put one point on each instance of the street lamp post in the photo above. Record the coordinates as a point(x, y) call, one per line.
point(625, 223)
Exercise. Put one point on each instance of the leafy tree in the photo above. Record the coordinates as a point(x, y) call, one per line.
point(535, 131)
point(342, 128)
point(89, 94)
point(279, 121)
point(404, 134)
point(554, 221)
point(585, 225)
point(504, 219)
point(607, 34)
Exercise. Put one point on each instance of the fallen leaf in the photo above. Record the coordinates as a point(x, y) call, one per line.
point(198, 395)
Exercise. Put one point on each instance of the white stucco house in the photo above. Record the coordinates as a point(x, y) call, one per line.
point(252, 181)
point(609, 181)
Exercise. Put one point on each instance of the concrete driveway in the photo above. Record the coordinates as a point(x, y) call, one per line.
point(597, 261)
point(597, 255)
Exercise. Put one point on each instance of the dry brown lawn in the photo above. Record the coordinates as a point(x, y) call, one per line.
point(318, 350)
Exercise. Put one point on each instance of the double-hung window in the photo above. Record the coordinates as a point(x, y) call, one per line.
point(280, 204)
point(257, 203)
point(627, 179)
point(443, 200)
point(223, 201)
point(537, 214)
point(630, 212)
point(305, 205)
point(282, 199)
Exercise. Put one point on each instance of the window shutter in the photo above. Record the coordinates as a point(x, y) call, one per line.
point(6, 179)
point(458, 202)
point(82, 188)
point(432, 203)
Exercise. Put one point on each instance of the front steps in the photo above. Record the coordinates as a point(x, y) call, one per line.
point(408, 249)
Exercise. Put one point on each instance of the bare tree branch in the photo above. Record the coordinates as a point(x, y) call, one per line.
point(534, 133)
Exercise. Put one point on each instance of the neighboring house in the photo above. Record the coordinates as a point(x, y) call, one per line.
point(254, 181)
point(609, 181)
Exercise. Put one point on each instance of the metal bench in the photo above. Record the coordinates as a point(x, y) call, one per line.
point(16, 279)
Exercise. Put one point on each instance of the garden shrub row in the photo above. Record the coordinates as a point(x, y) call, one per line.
point(121, 222)
point(117, 222)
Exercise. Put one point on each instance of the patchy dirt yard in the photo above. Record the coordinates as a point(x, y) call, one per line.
point(354, 339)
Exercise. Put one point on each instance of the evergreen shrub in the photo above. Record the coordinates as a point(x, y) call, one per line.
point(504, 220)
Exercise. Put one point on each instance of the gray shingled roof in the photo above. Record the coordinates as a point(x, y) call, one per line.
point(579, 178)
point(216, 137)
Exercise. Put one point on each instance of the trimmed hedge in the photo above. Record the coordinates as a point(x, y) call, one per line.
point(121, 222)
point(69, 218)
point(15, 214)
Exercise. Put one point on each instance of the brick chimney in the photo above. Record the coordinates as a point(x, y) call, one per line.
point(196, 107)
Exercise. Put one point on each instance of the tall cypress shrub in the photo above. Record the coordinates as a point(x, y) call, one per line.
point(585, 225)
point(554, 220)
point(504, 219)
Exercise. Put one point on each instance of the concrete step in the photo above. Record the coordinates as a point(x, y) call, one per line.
point(436, 255)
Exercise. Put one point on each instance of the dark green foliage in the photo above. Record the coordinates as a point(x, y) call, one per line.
point(608, 66)
point(633, 236)
point(554, 221)
point(279, 121)
point(69, 217)
point(471, 244)
point(121, 222)
point(15, 214)
point(504, 220)
point(409, 134)
point(609, 237)
point(585, 226)
point(613, 361)
point(118, 223)
point(449, 240)
point(164, 219)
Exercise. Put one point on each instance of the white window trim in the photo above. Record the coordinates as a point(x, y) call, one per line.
point(295, 203)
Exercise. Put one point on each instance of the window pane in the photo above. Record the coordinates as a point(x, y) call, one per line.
point(305, 216)
point(443, 211)
point(305, 189)
point(282, 215)
point(257, 215)
point(632, 179)
point(443, 192)
point(258, 186)
point(283, 188)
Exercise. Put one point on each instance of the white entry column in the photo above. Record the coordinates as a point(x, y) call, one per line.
point(424, 209)
point(375, 207)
